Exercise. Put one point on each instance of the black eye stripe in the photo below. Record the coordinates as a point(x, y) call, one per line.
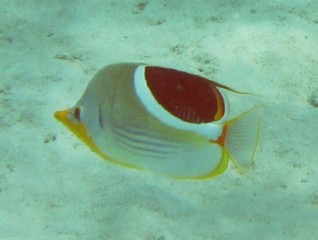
point(77, 113)
point(100, 117)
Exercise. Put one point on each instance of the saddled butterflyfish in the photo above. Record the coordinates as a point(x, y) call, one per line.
point(162, 120)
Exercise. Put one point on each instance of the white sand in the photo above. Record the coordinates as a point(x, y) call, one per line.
point(58, 189)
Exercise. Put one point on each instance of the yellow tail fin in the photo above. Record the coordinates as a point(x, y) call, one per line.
point(241, 140)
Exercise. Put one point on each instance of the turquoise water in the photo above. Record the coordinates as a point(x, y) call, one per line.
point(54, 187)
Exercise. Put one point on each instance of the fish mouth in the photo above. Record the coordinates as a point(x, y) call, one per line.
point(62, 115)
point(66, 117)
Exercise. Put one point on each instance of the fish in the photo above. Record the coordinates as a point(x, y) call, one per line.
point(164, 121)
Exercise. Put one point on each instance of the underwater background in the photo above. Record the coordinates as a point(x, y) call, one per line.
point(54, 187)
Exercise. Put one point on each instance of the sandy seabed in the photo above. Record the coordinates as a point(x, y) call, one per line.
point(54, 187)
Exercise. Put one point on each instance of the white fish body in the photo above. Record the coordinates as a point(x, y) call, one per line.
point(121, 119)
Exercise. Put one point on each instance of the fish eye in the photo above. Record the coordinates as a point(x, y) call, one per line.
point(77, 113)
